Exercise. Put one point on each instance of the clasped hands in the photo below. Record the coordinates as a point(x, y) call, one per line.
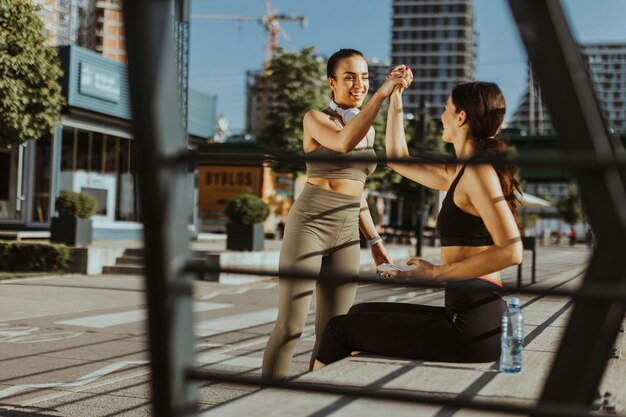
point(398, 79)
point(404, 72)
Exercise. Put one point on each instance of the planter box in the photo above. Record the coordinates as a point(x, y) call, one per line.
point(248, 237)
point(71, 231)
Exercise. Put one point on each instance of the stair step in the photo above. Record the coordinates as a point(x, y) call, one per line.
point(123, 270)
point(138, 252)
point(132, 262)
point(129, 260)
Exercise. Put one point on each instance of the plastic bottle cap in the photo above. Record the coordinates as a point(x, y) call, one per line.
point(512, 301)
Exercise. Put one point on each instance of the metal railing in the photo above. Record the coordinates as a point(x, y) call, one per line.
point(595, 160)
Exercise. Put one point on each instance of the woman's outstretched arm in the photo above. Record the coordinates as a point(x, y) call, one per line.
point(435, 176)
point(323, 130)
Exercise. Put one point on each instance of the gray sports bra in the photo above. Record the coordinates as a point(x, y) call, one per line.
point(343, 165)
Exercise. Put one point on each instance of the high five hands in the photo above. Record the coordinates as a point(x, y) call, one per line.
point(401, 72)
point(399, 78)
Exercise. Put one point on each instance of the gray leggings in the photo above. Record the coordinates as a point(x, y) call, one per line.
point(321, 238)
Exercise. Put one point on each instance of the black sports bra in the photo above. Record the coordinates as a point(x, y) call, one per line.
point(458, 228)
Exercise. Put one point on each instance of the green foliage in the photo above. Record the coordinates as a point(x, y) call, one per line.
point(88, 205)
point(30, 95)
point(71, 204)
point(570, 208)
point(19, 256)
point(247, 209)
point(297, 84)
point(5, 251)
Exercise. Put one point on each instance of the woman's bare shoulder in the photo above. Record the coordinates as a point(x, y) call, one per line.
point(481, 177)
point(315, 115)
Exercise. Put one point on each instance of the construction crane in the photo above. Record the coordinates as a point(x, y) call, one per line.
point(270, 21)
point(273, 32)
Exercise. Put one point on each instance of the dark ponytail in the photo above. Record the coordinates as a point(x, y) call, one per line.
point(333, 61)
point(485, 107)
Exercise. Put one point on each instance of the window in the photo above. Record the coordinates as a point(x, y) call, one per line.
point(101, 198)
point(110, 154)
point(126, 204)
point(97, 150)
point(67, 149)
point(82, 150)
point(43, 170)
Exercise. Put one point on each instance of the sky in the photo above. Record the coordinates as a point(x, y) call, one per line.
point(221, 51)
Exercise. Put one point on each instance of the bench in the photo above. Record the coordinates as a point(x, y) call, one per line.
point(397, 235)
point(404, 236)
point(545, 319)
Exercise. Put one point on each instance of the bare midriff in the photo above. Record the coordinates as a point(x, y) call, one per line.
point(452, 254)
point(344, 186)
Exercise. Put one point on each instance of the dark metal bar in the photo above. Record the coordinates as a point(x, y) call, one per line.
point(578, 122)
point(580, 126)
point(181, 29)
point(597, 291)
point(542, 409)
point(534, 266)
point(158, 128)
point(569, 159)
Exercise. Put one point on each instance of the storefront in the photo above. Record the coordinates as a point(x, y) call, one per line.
point(218, 183)
point(91, 151)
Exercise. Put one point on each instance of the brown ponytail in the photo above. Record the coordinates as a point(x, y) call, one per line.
point(484, 104)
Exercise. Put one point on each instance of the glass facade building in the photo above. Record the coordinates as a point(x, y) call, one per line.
point(438, 40)
point(92, 151)
point(607, 67)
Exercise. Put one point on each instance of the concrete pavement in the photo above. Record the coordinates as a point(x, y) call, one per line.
point(76, 345)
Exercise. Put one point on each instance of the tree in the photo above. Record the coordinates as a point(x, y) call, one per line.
point(570, 208)
point(30, 95)
point(297, 84)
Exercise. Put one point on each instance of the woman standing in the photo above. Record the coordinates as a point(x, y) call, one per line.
point(479, 237)
point(322, 227)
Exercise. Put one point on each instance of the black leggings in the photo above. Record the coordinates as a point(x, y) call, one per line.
point(467, 329)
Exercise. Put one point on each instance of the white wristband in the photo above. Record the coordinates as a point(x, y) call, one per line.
point(374, 240)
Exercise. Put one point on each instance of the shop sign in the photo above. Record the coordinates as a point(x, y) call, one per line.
point(99, 83)
point(218, 184)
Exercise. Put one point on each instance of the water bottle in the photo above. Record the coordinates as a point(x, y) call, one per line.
point(512, 337)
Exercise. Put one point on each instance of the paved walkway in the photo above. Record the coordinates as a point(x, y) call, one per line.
point(76, 345)
point(265, 260)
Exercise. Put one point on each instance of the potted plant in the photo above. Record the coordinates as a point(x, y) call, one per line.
point(246, 213)
point(73, 226)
